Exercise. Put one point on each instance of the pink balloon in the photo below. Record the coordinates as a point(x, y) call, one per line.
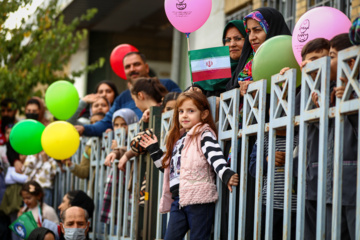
point(320, 22)
point(187, 15)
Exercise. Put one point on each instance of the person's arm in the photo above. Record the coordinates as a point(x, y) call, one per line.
point(73, 119)
point(152, 146)
point(215, 157)
point(82, 170)
point(124, 158)
point(50, 214)
point(29, 164)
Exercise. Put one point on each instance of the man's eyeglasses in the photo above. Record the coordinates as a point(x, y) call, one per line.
point(236, 39)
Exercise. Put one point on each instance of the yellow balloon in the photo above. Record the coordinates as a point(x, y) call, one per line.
point(60, 140)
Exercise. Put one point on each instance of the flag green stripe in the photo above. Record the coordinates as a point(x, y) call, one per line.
point(209, 52)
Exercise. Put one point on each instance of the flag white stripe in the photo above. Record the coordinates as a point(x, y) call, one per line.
point(207, 64)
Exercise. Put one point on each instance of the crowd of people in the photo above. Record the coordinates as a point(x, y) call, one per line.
point(192, 149)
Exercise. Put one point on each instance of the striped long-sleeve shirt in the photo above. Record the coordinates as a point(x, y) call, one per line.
point(211, 150)
point(279, 174)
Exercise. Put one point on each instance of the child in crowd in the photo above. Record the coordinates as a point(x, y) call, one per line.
point(146, 92)
point(194, 153)
point(32, 195)
point(169, 101)
point(121, 119)
point(41, 168)
point(100, 105)
point(82, 170)
point(168, 104)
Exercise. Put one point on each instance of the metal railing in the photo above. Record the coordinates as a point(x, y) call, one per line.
point(144, 222)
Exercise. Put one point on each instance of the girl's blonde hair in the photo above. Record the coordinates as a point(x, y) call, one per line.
point(202, 104)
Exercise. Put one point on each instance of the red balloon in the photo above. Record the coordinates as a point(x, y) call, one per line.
point(116, 58)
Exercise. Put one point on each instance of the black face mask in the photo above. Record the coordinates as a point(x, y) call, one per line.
point(34, 116)
point(6, 120)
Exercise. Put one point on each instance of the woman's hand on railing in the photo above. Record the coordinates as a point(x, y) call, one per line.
point(122, 162)
point(282, 71)
point(233, 181)
point(244, 86)
point(109, 159)
point(146, 140)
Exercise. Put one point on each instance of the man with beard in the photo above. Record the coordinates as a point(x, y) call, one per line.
point(8, 112)
point(135, 67)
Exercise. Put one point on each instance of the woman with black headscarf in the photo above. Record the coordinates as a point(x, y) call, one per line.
point(260, 25)
point(233, 36)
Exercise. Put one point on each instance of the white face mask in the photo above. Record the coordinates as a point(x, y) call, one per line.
point(74, 233)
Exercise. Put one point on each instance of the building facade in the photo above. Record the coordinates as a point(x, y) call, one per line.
point(144, 24)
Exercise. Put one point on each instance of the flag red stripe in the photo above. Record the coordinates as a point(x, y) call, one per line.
point(211, 74)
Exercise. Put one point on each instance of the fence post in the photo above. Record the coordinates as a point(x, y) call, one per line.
point(166, 119)
point(93, 190)
point(133, 130)
point(320, 86)
point(152, 174)
point(344, 106)
point(227, 130)
point(253, 109)
point(282, 102)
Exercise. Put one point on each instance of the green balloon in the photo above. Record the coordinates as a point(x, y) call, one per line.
point(272, 56)
point(25, 137)
point(62, 99)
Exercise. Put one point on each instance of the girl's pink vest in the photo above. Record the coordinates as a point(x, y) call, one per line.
point(197, 177)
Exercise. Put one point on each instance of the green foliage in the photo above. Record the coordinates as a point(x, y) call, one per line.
point(39, 50)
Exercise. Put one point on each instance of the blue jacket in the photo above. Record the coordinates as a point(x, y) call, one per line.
point(124, 100)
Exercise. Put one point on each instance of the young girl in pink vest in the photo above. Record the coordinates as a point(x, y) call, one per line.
point(189, 165)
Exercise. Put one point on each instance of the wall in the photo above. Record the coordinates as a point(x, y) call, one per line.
point(77, 62)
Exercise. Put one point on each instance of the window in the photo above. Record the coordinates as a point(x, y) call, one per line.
point(239, 15)
point(342, 5)
point(286, 7)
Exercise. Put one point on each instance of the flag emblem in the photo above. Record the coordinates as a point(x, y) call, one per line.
point(210, 63)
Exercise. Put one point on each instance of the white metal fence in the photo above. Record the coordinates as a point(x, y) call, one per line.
point(144, 222)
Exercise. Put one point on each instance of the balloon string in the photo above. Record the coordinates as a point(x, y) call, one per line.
point(188, 40)
point(188, 44)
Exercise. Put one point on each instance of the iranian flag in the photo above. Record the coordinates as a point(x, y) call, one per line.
point(210, 63)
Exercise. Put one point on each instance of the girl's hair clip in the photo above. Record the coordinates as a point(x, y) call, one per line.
point(31, 188)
